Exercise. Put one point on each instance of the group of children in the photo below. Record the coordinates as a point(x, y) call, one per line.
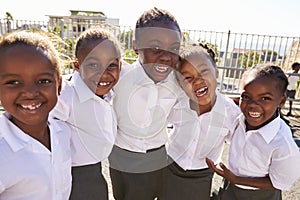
point(52, 145)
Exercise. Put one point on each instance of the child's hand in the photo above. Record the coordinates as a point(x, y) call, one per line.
point(224, 171)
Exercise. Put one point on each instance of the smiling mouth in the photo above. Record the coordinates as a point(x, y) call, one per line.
point(31, 106)
point(103, 84)
point(201, 91)
point(161, 69)
point(254, 114)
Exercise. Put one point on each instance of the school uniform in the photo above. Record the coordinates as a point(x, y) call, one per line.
point(188, 176)
point(30, 171)
point(292, 86)
point(93, 134)
point(269, 150)
point(139, 155)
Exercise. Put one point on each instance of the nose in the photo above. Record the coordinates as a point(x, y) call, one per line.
point(166, 55)
point(30, 90)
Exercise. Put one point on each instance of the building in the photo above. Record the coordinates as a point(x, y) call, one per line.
point(80, 20)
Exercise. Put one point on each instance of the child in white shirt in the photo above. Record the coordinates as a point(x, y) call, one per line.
point(210, 124)
point(85, 103)
point(35, 152)
point(263, 157)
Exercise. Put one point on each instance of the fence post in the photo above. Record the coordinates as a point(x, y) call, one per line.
point(224, 60)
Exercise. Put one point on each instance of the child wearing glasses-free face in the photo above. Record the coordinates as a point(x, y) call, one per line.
point(211, 117)
point(263, 157)
point(145, 95)
point(85, 103)
point(35, 150)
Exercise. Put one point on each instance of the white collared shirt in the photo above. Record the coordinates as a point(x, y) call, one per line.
point(268, 150)
point(28, 170)
point(142, 108)
point(92, 119)
point(202, 136)
point(292, 81)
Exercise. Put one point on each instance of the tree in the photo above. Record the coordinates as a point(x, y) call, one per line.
point(249, 59)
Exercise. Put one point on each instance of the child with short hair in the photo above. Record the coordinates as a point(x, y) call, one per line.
point(292, 86)
point(35, 152)
point(263, 157)
point(145, 95)
point(85, 103)
point(211, 117)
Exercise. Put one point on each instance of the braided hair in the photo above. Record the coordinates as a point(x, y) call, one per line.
point(200, 48)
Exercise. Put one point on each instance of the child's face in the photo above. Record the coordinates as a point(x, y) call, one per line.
point(260, 99)
point(158, 49)
point(198, 78)
point(28, 85)
point(99, 66)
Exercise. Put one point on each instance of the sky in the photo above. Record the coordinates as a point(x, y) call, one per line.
point(264, 17)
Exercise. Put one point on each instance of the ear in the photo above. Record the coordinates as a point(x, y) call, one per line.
point(76, 65)
point(217, 72)
point(59, 84)
point(120, 65)
point(134, 46)
point(282, 101)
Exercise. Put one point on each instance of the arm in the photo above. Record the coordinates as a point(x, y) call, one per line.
point(257, 182)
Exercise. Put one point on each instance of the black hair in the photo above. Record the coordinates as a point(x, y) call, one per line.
point(295, 64)
point(40, 41)
point(186, 52)
point(150, 17)
point(268, 70)
point(95, 34)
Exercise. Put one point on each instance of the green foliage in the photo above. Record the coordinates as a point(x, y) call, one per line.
point(213, 47)
point(248, 60)
point(130, 56)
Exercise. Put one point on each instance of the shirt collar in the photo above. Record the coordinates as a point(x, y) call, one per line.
point(268, 132)
point(145, 79)
point(83, 91)
point(219, 107)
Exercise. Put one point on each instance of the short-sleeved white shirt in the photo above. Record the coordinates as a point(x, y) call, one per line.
point(92, 120)
point(142, 108)
point(202, 136)
point(268, 150)
point(28, 170)
point(292, 80)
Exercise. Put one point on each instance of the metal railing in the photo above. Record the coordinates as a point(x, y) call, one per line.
point(235, 51)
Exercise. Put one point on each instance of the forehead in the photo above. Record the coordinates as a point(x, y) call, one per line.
point(101, 48)
point(268, 83)
point(149, 35)
point(28, 57)
point(196, 60)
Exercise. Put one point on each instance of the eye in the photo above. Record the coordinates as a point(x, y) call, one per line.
point(245, 97)
point(45, 81)
point(113, 65)
point(174, 50)
point(266, 98)
point(92, 65)
point(12, 82)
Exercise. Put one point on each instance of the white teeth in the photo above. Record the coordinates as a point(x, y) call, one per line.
point(254, 114)
point(103, 83)
point(160, 68)
point(200, 92)
point(31, 107)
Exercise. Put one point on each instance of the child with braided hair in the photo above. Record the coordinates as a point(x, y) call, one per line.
point(263, 158)
point(188, 176)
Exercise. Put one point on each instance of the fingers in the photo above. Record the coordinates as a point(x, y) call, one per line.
point(223, 166)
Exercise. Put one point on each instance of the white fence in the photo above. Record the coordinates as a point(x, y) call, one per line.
point(235, 51)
